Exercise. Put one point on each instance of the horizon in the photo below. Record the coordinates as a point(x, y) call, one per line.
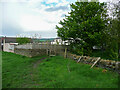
point(29, 37)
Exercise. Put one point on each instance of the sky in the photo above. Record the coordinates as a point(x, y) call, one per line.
point(30, 17)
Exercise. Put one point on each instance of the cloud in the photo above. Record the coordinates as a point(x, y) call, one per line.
point(56, 8)
point(33, 16)
point(44, 34)
point(63, 15)
point(52, 1)
point(11, 30)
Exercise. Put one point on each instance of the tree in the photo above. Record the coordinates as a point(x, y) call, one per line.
point(111, 34)
point(23, 40)
point(118, 24)
point(111, 40)
point(84, 25)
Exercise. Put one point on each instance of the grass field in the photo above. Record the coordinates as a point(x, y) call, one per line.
point(52, 72)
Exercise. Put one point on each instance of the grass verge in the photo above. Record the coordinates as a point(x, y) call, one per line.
point(52, 72)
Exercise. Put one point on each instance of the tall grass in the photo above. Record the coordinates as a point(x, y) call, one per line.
point(18, 72)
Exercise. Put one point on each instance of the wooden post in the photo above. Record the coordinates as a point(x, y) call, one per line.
point(47, 51)
point(65, 53)
point(50, 52)
point(95, 62)
point(79, 59)
point(55, 50)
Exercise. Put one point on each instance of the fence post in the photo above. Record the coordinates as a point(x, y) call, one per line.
point(65, 53)
point(47, 51)
point(55, 50)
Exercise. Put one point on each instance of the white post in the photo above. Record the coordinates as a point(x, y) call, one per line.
point(4, 44)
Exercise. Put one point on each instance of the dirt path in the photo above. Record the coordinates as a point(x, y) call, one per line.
point(35, 65)
point(33, 73)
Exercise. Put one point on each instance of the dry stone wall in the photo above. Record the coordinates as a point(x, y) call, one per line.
point(39, 50)
point(30, 52)
point(108, 64)
point(32, 49)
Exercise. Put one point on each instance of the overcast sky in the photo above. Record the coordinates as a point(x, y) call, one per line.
point(33, 16)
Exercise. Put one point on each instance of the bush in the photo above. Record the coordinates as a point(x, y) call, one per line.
point(23, 40)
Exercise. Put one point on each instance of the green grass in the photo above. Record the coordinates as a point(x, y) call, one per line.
point(23, 72)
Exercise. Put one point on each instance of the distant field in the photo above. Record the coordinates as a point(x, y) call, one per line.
point(44, 72)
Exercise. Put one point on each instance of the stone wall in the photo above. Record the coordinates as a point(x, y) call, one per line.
point(41, 46)
point(108, 64)
point(30, 52)
point(60, 50)
point(32, 49)
point(25, 46)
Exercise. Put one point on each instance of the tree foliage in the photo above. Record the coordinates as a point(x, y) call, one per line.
point(114, 30)
point(23, 40)
point(111, 40)
point(118, 24)
point(84, 24)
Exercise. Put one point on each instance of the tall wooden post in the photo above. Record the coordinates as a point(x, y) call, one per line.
point(47, 51)
point(65, 54)
point(55, 50)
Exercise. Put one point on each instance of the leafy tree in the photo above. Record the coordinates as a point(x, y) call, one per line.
point(116, 24)
point(23, 40)
point(111, 41)
point(84, 25)
point(111, 34)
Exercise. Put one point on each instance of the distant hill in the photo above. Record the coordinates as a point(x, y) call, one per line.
point(43, 39)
